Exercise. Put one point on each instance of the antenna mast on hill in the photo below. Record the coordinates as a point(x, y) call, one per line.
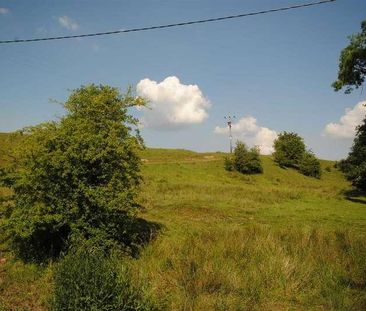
point(229, 120)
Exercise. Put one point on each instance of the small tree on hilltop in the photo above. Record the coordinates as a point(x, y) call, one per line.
point(354, 166)
point(244, 161)
point(76, 178)
point(310, 165)
point(289, 149)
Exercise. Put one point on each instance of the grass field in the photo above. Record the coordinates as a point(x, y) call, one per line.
point(276, 241)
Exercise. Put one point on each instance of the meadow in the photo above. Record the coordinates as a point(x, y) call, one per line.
point(273, 241)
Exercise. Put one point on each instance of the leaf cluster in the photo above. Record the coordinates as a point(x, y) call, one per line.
point(76, 178)
point(244, 160)
point(354, 166)
point(352, 63)
point(290, 151)
point(310, 165)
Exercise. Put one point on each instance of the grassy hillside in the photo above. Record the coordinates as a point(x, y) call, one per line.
point(276, 241)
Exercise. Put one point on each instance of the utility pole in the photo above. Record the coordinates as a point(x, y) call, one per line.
point(229, 120)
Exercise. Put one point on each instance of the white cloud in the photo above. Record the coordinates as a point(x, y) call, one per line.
point(347, 124)
point(4, 11)
point(172, 104)
point(247, 130)
point(68, 23)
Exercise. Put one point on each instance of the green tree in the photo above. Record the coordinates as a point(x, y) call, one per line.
point(310, 165)
point(244, 161)
point(76, 178)
point(354, 166)
point(289, 149)
point(352, 62)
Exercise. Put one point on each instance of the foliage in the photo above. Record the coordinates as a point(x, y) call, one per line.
point(354, 166)
point(88, 280)
point(310, 165)
point(76, 178)
point(228, 164)
point(244, 161)
point(289, 149)
point(352, 63)
point(247, 161)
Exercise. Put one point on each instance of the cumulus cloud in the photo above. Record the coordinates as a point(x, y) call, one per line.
point(247, 130)
point(172, 105)
point(347, 124)
point(68, 23)
point(4, 11)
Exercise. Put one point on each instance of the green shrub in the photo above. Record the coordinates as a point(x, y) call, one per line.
point(77, 178)
point(310, 165)
point(244, 161)
point(88, 280)
point(289, 149)
point(228, 164)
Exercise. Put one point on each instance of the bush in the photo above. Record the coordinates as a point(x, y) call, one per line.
point(310, 165)
point(289, 149)
point(244, 161)
point(77, 178)
point(88, 280)
point(228, 164)
point(357, 175)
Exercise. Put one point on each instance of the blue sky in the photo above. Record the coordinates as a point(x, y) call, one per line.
point(276, 68)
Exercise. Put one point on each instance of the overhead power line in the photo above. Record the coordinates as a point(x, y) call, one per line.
point(216, 19)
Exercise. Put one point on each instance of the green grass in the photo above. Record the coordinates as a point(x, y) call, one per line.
point(275, 241)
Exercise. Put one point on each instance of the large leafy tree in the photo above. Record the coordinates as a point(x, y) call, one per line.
point(76, 178)
point(354, 166)
point(351, 74)
point(352, 63)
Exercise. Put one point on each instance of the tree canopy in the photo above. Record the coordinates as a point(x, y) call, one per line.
point(244, 160)
point(289, 149)
point(310, 165)
point(354, 166)
point(352, 63)
point(75, 178)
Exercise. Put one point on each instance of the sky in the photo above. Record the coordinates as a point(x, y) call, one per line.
point(272, 71)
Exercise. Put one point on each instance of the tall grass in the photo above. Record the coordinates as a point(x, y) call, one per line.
point(89, 280)
point(258, 268)
point(275, 241)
